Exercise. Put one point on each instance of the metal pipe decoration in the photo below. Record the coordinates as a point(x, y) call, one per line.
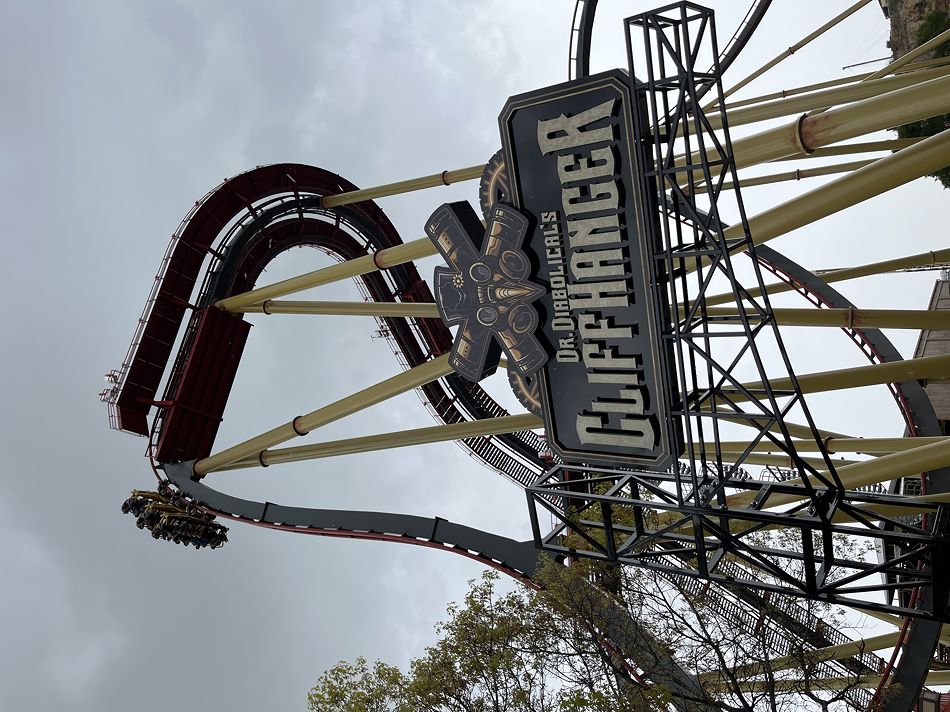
point(301, 425)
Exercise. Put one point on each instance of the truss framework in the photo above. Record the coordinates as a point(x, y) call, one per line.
point(691, 514)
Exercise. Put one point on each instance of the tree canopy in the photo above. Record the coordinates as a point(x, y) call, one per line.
point(544, 650)
point(934, 23)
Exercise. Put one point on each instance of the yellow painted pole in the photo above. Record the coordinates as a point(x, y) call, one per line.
point(789, 686)
point(783, 460)
point(922, 259)
point(811, 657)
point(404, 186)
point(791, 50)
point(918, 101)
point(844, 149)
point(882, 469)
point(875, 512)
point(827, 97)
point(849, 318)
point(382, 259)
point(796, 430)
point(867, 446)
point(396, 309)
point(910, 56)
point(898, 63)
point(795, 91)
point(301, 425)
point(882, 175)
point(789, 176)
point(385, 441)
point(911, 369)
point(895, 621)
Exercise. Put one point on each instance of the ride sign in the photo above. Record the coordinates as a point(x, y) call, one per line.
point(574, 172)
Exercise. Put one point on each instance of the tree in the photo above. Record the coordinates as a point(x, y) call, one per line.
point(495, 653)
point(544, 650)
point(933, 24)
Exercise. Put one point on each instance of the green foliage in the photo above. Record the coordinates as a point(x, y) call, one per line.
point(495, 653)
point(934, 23)
point(547, 650)
point(353, 687)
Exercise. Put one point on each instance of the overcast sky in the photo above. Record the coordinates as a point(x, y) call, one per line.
point(116, 117)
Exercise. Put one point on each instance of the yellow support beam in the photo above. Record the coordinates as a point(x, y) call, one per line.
point(796, 430)
point(882, 469)
point(811, 657)
point(799, 137)
point(789, 686)
point(798, 174)
point(865, 446)
point(301, 425)
point(850, 318)
point(403, 186)
point(882, 175)
point(386, 441)
point(923, 259)
point(825, 98)
point(425, 310)
point(846, 149)
point(911, 369)
point(382, 259)
point(737, 527)
point(795, 91)
point(791, 50)
point(910, 56)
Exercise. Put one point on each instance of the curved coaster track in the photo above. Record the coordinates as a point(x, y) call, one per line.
point(283, 211)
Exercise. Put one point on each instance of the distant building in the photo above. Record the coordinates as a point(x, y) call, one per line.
point(936, 343)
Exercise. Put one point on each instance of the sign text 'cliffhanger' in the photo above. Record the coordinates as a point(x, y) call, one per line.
point(573, 167)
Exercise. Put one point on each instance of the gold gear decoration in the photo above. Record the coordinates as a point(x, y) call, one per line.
point(494, 186)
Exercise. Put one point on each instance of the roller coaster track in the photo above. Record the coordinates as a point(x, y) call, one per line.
point(278, 208)
point(267, 211)
point(247, 221)
point(285, 212)
point(267, 219)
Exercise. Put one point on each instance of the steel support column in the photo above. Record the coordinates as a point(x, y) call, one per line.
point(301, 425)
point(381, 259)
point(386, 441)
point(425, 310)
